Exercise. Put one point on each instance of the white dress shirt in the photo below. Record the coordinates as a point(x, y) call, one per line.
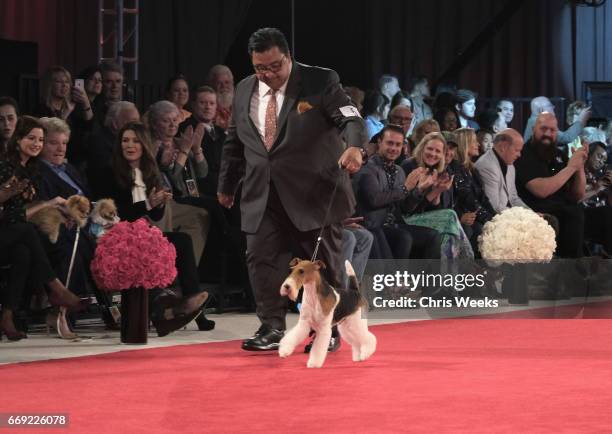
point(259, 104)
point(139, 191)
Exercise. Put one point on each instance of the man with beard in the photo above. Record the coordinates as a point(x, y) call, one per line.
point(550, 183)
point(221, 79)
point(466, 107)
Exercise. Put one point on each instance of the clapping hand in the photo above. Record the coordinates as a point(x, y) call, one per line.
point(468, 218)
point(413, 178)
point(159, 197)
point(427, 180)
point(443, 183)
point(578, 158)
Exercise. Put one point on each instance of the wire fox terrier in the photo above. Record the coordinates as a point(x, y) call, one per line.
point(322, 307)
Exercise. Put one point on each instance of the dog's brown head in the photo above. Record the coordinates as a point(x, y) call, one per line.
point(106, 210)
point(78, 207)
point(302, 272)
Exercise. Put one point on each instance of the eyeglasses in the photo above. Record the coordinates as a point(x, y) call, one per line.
point(272, 67)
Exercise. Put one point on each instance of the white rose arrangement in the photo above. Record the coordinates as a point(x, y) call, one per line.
point(517, 235)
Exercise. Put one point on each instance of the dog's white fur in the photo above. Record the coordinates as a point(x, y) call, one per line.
point(353, 328)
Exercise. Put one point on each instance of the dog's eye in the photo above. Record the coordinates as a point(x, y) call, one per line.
point(301, 271)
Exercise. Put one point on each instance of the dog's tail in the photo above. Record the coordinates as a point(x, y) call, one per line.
point(352, 277)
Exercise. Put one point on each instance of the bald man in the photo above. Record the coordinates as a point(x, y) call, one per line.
point(542, 104)
point(496, 170)
point(550, 183)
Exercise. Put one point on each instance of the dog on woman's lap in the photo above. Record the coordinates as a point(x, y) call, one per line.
point(322, 307)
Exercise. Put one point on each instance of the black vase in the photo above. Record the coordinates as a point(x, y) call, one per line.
point(514, 285)
point(134, 316)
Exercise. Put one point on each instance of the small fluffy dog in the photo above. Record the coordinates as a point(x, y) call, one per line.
point(49, 219)
point(322, 307)
point(103, 217)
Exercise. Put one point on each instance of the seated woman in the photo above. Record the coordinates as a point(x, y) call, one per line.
point(435, 209)
point(180, 158)
point(471, 203)
point(598, 198)
point(447, 118)
point(177, 92)
point(20, 244)
point(420, 130)
point(136, 186)
point(58, 178)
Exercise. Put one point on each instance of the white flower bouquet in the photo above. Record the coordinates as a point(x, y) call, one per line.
point(515, 236)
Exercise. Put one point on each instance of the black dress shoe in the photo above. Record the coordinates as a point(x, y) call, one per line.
point(204, 324)
point(265, 339)
point(334, 345)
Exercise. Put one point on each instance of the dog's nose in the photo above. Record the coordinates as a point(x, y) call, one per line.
point(286, 286)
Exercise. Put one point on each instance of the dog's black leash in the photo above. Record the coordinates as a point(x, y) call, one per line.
point(320, 237)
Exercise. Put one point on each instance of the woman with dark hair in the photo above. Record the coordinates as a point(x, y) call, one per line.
point(598, 197)
point(20, 245)
point(138, 191)
point(447, 118)
point(93, 82)
point(375, 111)
point(177, 92)
point(401, 98)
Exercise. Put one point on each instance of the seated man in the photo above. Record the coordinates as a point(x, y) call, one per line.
point(496, 170)
point(550, 183)
point(384, 193)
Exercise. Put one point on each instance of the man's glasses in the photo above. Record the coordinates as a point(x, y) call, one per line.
point(272, 67)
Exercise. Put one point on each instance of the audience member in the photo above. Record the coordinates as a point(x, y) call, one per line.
point(177, 92)
point(471, 203)
point(598, 196)
point(402, 116)
point(356, 246)
point(485, 140)
point(375, 110)
point(550, 183)
point(506, 109)
point(419, 92)
point(572, 114)
point(447, 118)
point(100, 150)
point(401, 98)
point(137, 189)
point(496, 170)
point(221, 79)
point(112, 89)
point(93, 82)
point(542, 104)
point(384, 194)
point(421, 130)
point(466, 108)
point(9, 112)
point(388, 85)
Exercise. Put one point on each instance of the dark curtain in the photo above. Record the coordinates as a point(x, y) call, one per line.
point(187, 36)
point(65, 30)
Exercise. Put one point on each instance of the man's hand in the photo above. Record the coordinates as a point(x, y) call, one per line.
point(226, 200)
point(352, 222)
point(351, 160)
point(578, 159)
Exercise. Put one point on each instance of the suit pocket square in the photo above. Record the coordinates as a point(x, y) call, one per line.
point(303, 107)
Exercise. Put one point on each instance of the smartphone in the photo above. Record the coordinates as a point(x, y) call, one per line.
point(573, 146)
point(79, 83)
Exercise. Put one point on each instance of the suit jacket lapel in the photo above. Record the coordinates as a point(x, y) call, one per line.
point(292, 93)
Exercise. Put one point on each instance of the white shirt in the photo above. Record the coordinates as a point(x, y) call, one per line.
point(259, 104)
point(139, 191)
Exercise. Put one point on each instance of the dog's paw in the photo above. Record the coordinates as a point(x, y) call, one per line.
point(314, 364)
point(284, 351)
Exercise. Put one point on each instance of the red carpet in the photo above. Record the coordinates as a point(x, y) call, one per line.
point(465, 375)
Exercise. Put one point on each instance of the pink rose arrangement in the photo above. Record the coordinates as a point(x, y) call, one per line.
point(132, 255)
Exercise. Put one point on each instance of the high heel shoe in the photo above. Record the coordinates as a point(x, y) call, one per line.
point(204, 324)
point(58, 322)
point(174, 314)
point(60, 296)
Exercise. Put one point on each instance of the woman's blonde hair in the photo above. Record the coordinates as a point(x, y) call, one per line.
point(417, 154)
point(463, 138)
point(46, 84)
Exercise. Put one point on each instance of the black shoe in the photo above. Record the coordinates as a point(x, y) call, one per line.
point(264, 339)
point(204, 324)
point(334, 345)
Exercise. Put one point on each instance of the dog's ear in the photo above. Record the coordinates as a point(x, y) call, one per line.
point(320, 264)
point(294, 262)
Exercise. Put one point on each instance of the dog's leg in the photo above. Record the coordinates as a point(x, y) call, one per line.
point(293, 338)
point(318, 352)
point(349, 336)
point(365, 341)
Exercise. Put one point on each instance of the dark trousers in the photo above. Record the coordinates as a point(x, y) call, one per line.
point(187, 271)
point(571, 219)
point(21, 248)
point(404, 241)
point(269, 251)
point(598, 226)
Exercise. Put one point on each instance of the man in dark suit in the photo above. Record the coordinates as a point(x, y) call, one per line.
point(292, 129)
